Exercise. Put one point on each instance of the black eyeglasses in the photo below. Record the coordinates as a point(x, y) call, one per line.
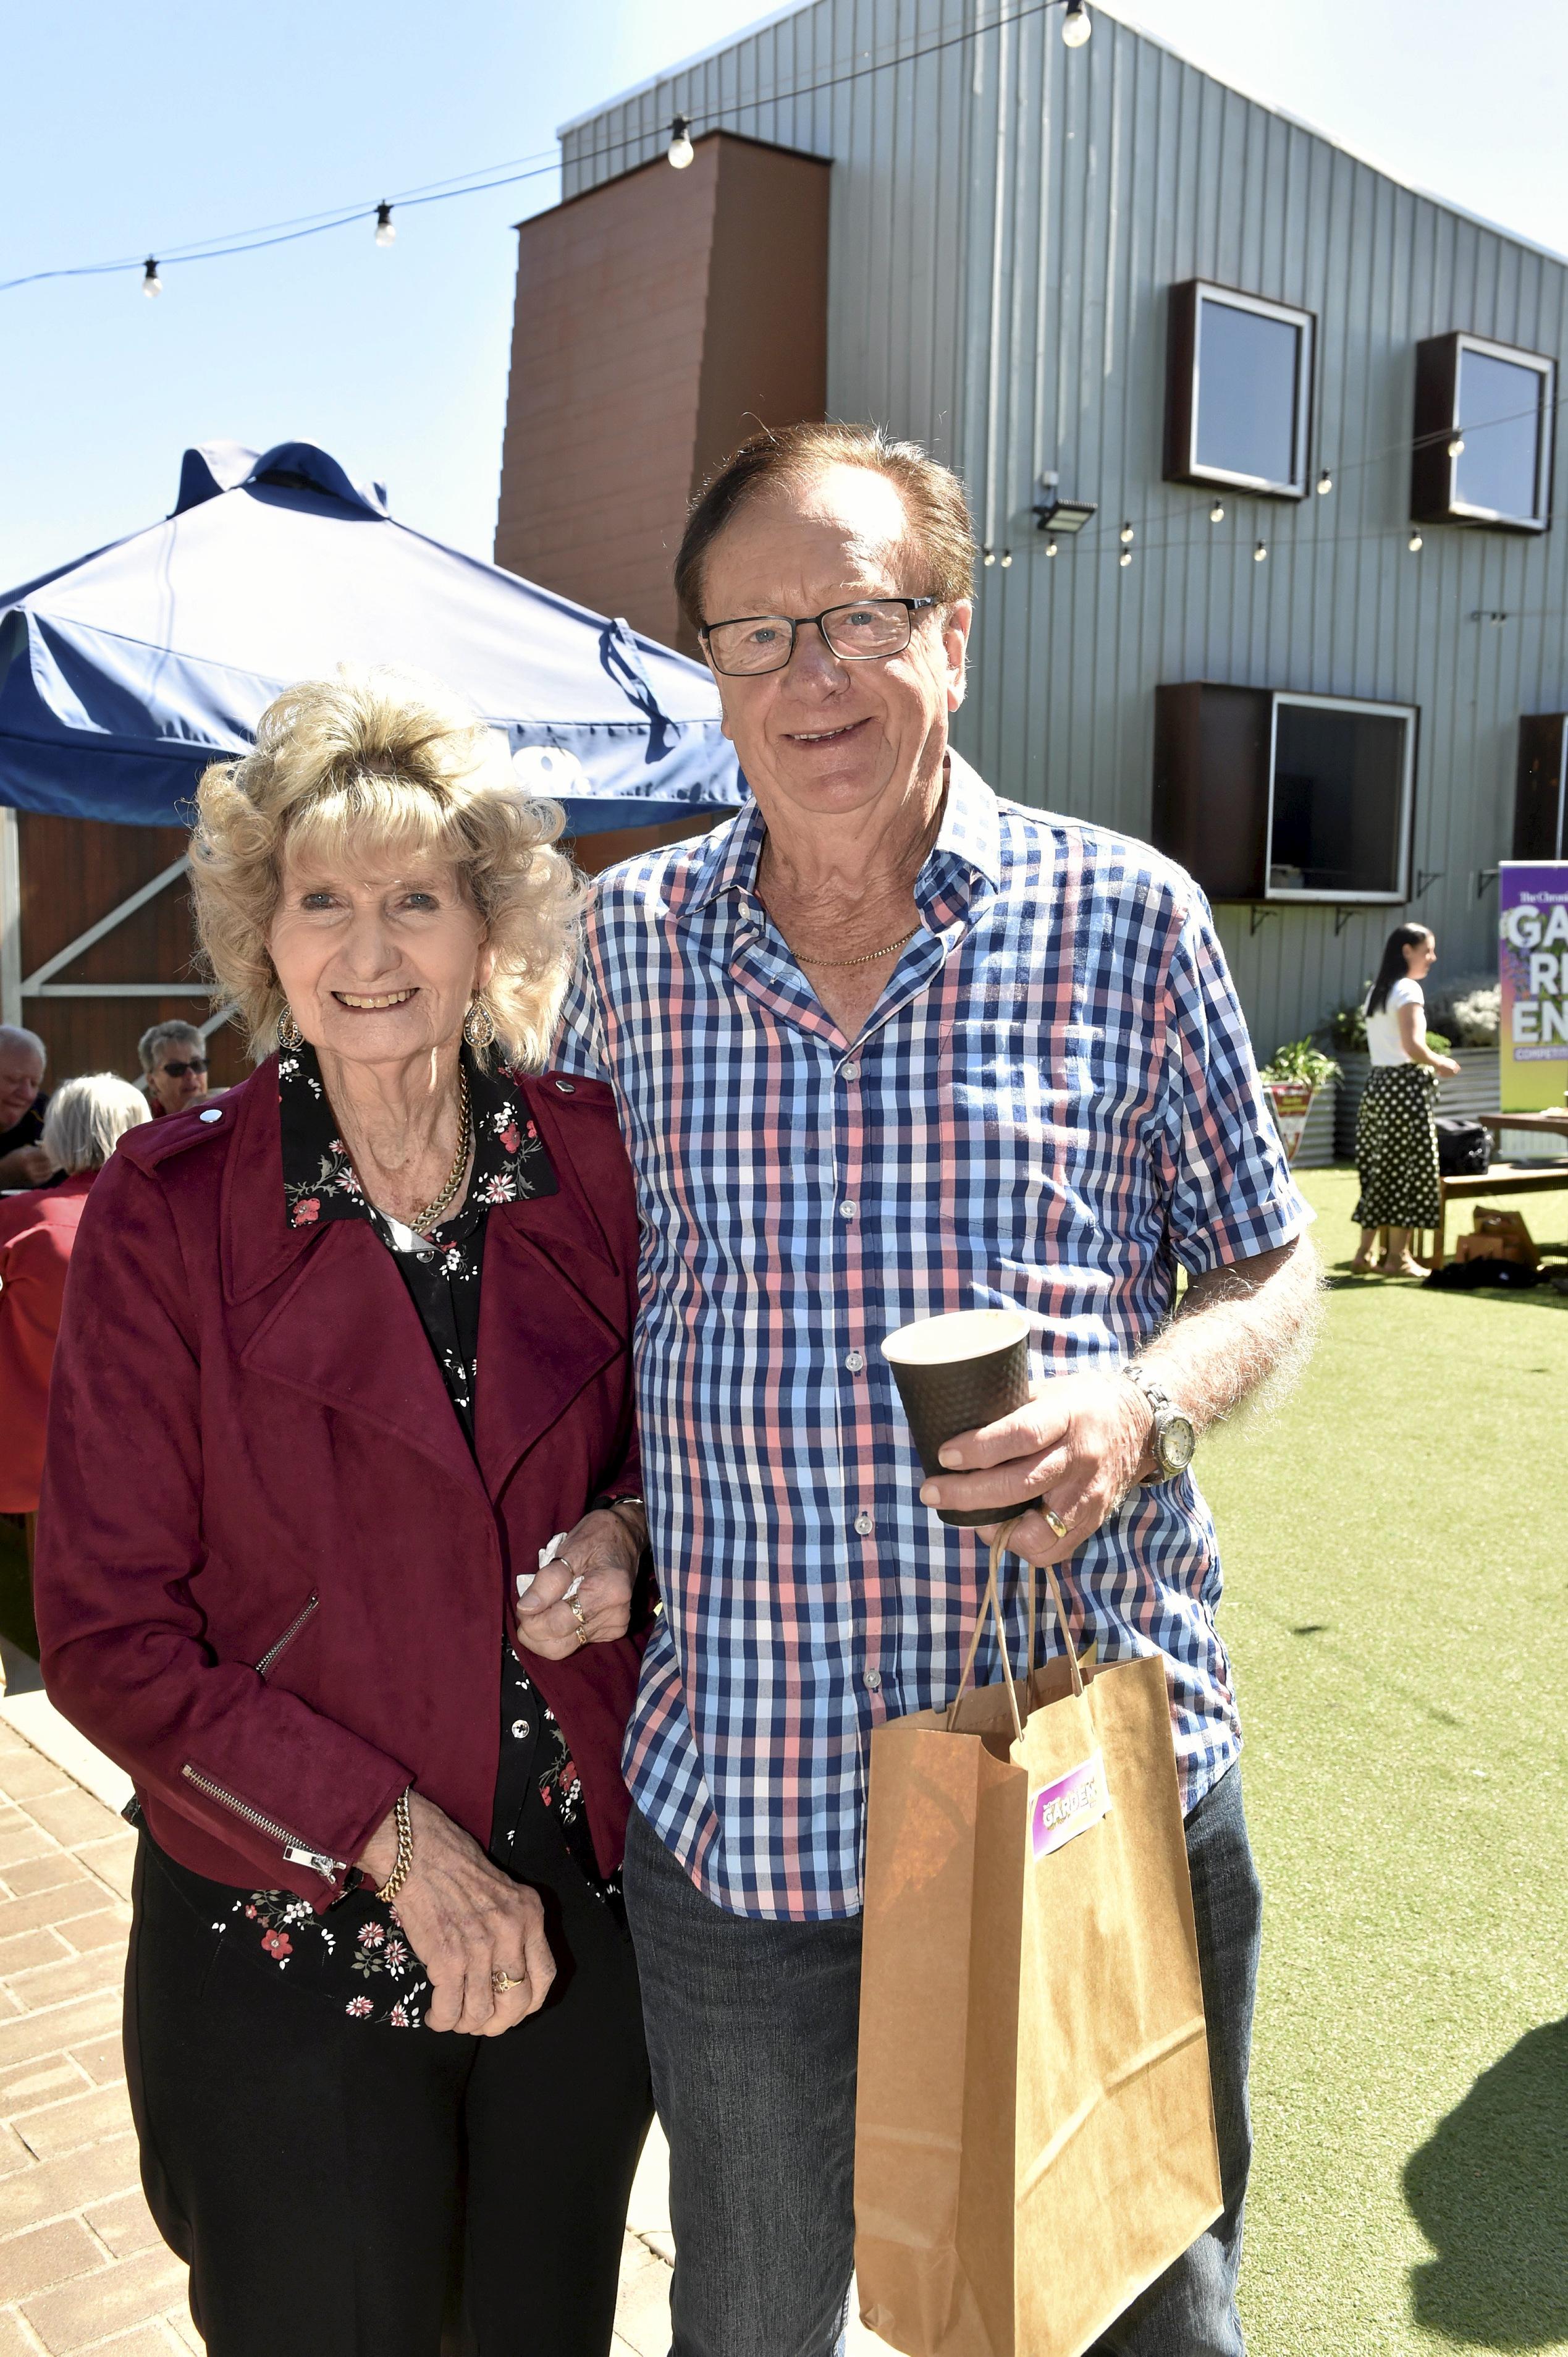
point(178, 1072)
point(866, 632)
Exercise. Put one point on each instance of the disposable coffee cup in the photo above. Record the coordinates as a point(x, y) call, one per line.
point(955, 1373)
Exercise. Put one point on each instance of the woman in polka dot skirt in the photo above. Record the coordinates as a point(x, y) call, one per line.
point(1396, 1137)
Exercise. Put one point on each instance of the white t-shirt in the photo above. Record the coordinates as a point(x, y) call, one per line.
point(1383, 1028)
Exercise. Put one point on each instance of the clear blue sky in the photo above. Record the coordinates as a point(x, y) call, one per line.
point(125, 130)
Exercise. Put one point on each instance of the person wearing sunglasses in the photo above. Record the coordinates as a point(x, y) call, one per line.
point(174, 1067)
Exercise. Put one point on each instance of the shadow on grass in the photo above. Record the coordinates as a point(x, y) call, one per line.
point(1488, 2193)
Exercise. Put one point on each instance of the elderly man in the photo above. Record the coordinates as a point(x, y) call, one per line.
point(23, 1105)
point(885, 1046)
point(174, 1067)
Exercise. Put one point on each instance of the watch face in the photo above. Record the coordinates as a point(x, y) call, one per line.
point(1175, 1442)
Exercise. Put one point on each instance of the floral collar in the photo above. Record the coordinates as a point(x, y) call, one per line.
point(510, 1165)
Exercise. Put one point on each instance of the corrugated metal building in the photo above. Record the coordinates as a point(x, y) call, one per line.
point(1011, 227)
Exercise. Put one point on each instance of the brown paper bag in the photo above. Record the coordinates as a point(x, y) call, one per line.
point(1034, 2135)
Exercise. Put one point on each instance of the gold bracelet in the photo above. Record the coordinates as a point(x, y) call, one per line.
point(404, 1859)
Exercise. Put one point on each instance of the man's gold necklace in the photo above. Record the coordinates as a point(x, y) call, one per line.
point(869, 957)
point(422, 1221)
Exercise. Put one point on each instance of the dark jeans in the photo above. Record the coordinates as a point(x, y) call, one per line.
point(752, 2033)
point(331, 2181)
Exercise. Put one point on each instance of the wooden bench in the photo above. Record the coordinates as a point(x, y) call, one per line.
point(1502, 1179)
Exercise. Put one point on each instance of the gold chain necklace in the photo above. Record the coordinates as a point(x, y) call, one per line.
point(423, 1221)
point(870, 957)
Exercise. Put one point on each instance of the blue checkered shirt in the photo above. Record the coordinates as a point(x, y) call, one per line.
point(1054, 1103)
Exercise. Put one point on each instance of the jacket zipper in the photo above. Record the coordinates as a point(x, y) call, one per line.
point(289, 1634)
point(295, 1849)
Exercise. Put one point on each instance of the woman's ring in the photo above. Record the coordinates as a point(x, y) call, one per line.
point(501, 1982)
point(583, 1637)
point(1055, 1521)
point(578, 1615)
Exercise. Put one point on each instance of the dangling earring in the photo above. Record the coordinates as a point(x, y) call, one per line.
point(479, 1027)
point(290, 1036)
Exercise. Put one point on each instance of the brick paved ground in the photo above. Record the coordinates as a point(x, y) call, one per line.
point(82, 2265)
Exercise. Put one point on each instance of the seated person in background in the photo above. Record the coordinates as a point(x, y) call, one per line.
point(174, 1067)
point(37, 1231)
point(23, 1106)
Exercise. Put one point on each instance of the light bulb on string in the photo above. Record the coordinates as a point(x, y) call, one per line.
point(1051, 547)
point(1006, 558)
point(1413, 543)
point(681, 149)
point(1456, 447)
point(1260, 553)
point(1128, 535)
point(988, 556)
point(1076, 25)
point(1125, 558)
point(151, 283)
point(385, 233)
point(1325, 484)
point(1217, 513)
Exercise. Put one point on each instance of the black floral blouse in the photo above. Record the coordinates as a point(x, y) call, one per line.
point(358, 1952)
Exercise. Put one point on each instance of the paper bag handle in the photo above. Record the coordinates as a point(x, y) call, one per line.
point(991, 1602)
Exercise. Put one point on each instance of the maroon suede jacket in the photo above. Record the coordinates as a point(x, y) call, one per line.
point(272, 1579)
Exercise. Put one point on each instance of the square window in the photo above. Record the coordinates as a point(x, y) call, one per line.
point(1238, 390)
point(1340, 785)
point(1483, 434)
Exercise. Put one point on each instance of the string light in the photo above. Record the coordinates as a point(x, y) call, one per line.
point(1128, 535)
point(1076, 25)
point(151, 283)
point(1325, 484)
point(1217, 513)
point(1006, 558)
point(1413, 543)
point(1125, 558)
point(1050, 548)
point(1456, 446)
point(385, 233)
point(1260, 553)
point(681, 149)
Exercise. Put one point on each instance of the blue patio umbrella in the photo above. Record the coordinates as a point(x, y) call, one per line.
point(124, 673)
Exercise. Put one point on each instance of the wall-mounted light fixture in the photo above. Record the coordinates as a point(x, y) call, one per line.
point(1060, 516)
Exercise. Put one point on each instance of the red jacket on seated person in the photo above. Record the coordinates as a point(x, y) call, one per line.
point(37, 1232)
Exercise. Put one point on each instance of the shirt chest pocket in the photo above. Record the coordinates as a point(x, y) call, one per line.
point(1049, 1155)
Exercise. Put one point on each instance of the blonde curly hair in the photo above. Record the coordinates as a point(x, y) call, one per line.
point(379, 758)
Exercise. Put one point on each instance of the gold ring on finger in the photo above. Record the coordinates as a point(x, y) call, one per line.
point(501, 1982)
point(583, 1637)
point(578, 1615)
point(1055, 1521)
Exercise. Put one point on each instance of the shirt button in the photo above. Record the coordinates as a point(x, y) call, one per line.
point(848, 1210)
point(873, 1680)
point(854, 1360)
point(519, 1727)
point(851, 1072)
point(863, 1525)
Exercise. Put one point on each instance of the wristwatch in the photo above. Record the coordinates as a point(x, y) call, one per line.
point(1173, 1436)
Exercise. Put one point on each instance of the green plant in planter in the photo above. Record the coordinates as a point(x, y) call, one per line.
point(1347, 1027)
point(1437, 1043)
point(1299, 1060)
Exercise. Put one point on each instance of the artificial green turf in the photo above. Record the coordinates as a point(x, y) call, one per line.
point(1395, 1543)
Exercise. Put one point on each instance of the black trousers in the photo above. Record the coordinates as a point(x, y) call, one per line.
point(344, 2189)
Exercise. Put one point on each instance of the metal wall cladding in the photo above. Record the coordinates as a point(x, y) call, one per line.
point(1007, 217)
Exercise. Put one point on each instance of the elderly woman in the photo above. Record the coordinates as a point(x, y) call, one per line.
point(84, 1121)
point(174, 1067)
point(345, 1355)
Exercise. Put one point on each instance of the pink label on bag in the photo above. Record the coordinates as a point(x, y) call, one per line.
point(1062, 1811)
